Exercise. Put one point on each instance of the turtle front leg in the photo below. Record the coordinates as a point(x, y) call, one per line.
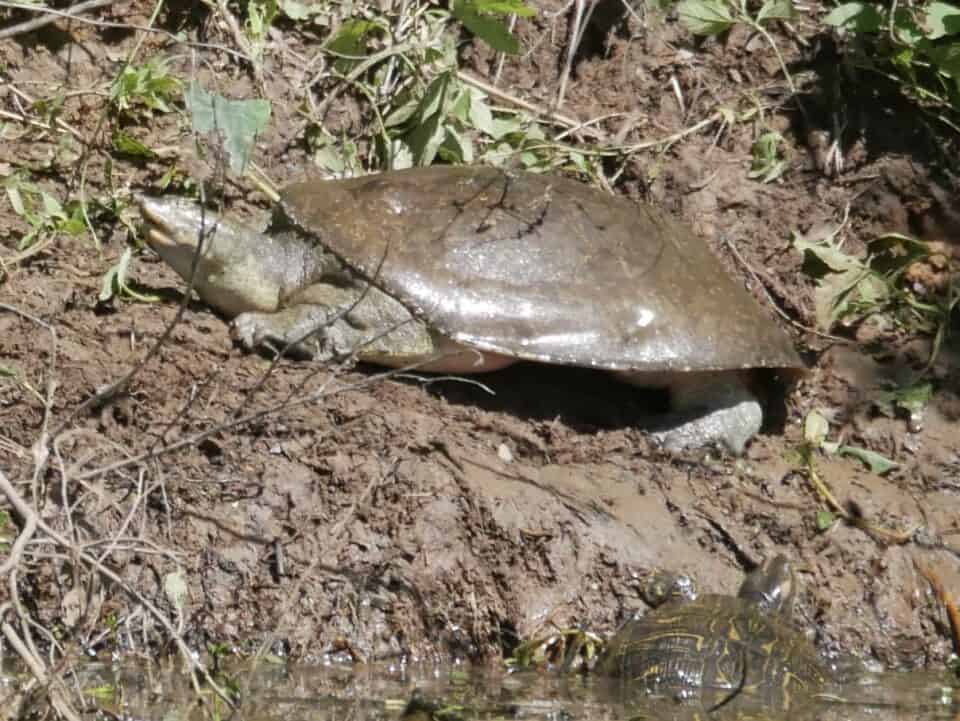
point(305, 331)
point(327, 322)
point(731, 422)
point(707, 409)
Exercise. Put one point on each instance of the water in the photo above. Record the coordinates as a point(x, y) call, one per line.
point(381, 692)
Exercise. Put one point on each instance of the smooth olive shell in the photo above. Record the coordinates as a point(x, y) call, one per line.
point(542, 267)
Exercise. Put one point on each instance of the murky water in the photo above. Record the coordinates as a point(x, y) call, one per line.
point(451, 693)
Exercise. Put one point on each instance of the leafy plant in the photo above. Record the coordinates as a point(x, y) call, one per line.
point(767, 164)
point(909, 400)
point(338, 156)
point(236, 122)
point(713, 17)
point(260, 16)
point(126, 144)
point(296, 10)
point(850, 288)
point(816, 427)
point(115, 284)
point(454, 122)
point(815, 430)
point(480, 18)
point(151, 86)
point(351, 41)
point(916, 44)
point(421, 109)
point(42, 212)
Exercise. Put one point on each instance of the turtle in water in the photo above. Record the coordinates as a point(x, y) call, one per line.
point(720, 647)
point(469, 269)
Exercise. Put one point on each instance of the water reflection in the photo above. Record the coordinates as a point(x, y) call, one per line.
point(454, 693)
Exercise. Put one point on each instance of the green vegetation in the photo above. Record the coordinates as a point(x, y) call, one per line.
point(238, 122)
point(147, 88)
point(768, 164)
point(852, 289)
point(45, 215)
point(916, 45)
point(481, 18)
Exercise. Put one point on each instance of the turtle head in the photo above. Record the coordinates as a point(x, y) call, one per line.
point(230, 274)
point(771, 587)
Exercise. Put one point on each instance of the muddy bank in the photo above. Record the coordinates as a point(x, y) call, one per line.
point(352, 514)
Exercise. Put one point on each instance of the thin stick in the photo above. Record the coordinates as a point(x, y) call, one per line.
point(7, 489)
point(52, 17)
point(538, 110)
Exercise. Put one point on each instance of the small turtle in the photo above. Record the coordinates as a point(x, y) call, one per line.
point(720, 646)
point(468, 270)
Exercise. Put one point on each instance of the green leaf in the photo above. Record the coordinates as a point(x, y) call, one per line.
point(856, 16)
point(434, 100)
point(942, 19)
point(151, 85)
point(460, 107)
point(893, 253)
point(404, 108)
point(52, 207)
point(579, 162)
point(776, 10)
point(128, 145)
point(260, 16)
point(425, 140)
point(237, 122)
point(767, 166)
point(489, 29)
point(947, 59)
point(505, 7)
point(874, 461)
point(481, 117)
point(115, 277)
point(915, 397)
point(175, 588)
point(505, 126)
point(401, 156)
point(73, 222)
point(456, 148)
point(351, 39)
point(298, 10)
point(815, 428)
point(911, 399)
point(823, 520)
point(16, 199)
point(115, 284)
point(705, 17)
point(841, 281)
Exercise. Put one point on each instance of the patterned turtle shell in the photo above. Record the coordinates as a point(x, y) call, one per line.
point(734, 645)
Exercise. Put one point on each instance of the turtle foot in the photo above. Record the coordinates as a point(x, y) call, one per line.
point(299, 332)
point(730, 427)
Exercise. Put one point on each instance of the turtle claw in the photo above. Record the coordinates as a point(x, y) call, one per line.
point(249, 330)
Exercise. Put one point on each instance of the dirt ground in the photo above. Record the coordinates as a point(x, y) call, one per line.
point(386, 516)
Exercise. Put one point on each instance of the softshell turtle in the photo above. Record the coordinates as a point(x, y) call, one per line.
point(720, 647)
point(469, 269)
